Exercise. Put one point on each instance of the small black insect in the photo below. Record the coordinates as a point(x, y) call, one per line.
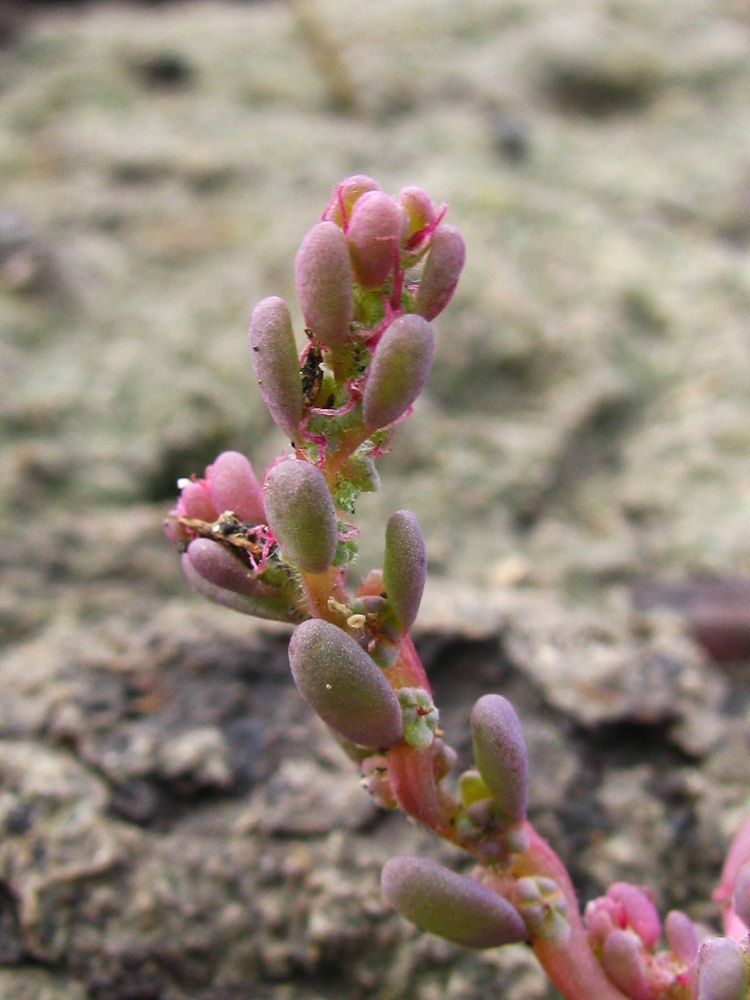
point(311, 372)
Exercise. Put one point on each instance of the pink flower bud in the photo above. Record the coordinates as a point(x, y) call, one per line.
point(374, 236)
point(500, 755)
point(323, 282)
point(721, 971)
point(301, 514)
point(453, 906)
point(639, 912)
point(341, 683)
point(257, 599)
point(681, 937)
point(404, 566)
point(398, 371)
point(622, 961)
point(195, 501)
point(420, 212)
point(233, 486)
point(345, 195)
point(442, 270)
point(276, 364)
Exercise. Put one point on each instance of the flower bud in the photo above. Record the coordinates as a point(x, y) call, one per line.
point(195, 501)
point(420, 212)
point(276, 364)
point(442, 270)
point(682, 939)
point(398, 370)
point(345, 195)
point(323, 282)
point(301, 514)
point(500, 755)
point(636, 911)
point(341, 683)
point(622, 961)
point(233, 486)
point(404, 566)
point(374, 235)
point(451, 905)
point(257, 599)
point(721, 971)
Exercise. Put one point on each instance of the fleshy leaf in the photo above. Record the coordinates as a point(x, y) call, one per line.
point(374, 235)
point(233, 486)
point(453, 906)
point(301, 514)
point(265, 602)
point(398, 371)
point(338, 679)
point(323, 282)
point(275, 362)
point(442, 270)
point(721, 971)
point(500, 754)
point(404, 566)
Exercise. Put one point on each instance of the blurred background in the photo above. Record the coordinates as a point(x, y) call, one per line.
point(586, 427)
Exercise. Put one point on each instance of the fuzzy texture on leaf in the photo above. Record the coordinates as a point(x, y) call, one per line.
point(398, 371)
point(500, 755)
point(301, 514)
point(374, 236)
point(233, 486)
point(404, 566)
point(442, 270)
point(323, 282)
point(453, 906)
point(341, 683)
point(220, 567)
point(260, 602)
point(276, 364)
point(721, 971)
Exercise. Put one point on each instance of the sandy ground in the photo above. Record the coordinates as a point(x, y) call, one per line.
point(176, 825)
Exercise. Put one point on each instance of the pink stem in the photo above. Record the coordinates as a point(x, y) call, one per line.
point(572, 967)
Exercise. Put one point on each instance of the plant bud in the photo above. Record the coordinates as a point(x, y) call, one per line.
point(622, 961)
point(454, 906)
point(420, 211)
point(398, 370)
point(500, 755)
point(258, 600)
point(341, 683)
point(301, 514)
point(323, 282)
point(682, 939)
point(374, 236)
point(275, 362)
point(721, 971)
point(442, 270)
point(404, 566)
point(233, 486)
point(345, 195)
point(195, 501)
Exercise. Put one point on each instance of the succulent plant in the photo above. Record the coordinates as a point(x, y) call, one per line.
point(282, 552)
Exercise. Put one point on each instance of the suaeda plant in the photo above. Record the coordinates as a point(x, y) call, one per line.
point(370, 277)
